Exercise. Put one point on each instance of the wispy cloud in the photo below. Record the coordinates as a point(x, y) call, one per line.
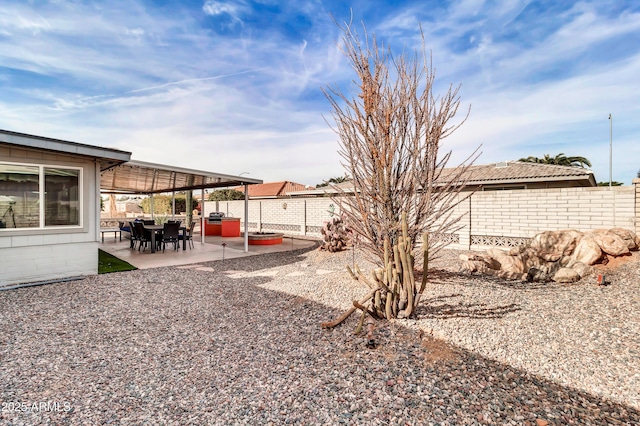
point(236, 85)
point(234, 9)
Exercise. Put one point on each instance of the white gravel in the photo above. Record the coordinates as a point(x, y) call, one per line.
point(242, 344)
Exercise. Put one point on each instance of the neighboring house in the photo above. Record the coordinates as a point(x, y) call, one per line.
point(499, 176)
point(129, 207)
point(324, 191)
point(520, 175)
point(49, 206)
point(121, 208)
point(273, 189)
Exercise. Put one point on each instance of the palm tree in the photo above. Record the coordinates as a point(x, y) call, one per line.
point(614, 183)
point(334, 180)
point(559, 160)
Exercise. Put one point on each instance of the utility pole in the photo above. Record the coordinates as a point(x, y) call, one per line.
point(610, 149)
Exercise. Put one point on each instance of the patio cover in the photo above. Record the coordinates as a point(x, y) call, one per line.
point(106, 157)
point(138, 177)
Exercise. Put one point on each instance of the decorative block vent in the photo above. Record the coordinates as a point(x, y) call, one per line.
point(281, 227)
point(498, 241)
point(446, 238)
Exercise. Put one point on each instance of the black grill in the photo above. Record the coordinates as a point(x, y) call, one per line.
point(215, 217)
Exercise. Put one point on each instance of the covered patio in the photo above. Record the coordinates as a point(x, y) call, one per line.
point(143, 178)
point(137, 177)
point(211, 250)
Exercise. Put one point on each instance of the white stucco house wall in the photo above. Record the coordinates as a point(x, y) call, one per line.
point(50, 207)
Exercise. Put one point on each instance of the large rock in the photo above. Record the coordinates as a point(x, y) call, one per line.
point(543, 273)
point(507, 275)
point(478, 263)
point(609, 242)
point(532, 257)
point(562, 256)
point(561, 242)
point(522, 262)
point(629, 237)
point(581, 268)
point(587, 251)
point(566, 275)
point(507, 263)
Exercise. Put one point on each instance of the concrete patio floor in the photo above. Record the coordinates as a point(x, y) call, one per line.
point(208, 251)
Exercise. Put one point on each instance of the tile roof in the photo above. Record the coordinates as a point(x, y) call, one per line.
point(510, 171)
point(272, 189)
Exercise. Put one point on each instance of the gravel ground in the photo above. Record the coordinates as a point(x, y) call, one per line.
point(240, 342)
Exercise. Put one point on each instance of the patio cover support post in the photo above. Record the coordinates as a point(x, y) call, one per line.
point(173, 199)
point(246, 218)
point(173, 205)
point(152, 208)
point(202, 216)
point(97, 199)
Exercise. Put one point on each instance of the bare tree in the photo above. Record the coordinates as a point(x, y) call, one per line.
point(391, 127)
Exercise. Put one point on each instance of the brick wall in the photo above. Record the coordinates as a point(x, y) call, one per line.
point(510, 217)
point(297, 216)
point(489, 218)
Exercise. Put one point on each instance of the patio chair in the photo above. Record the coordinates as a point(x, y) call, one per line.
point(143, 236)
point(170, 234)
point(124, 227)
point(188, 235)
point(134, 235)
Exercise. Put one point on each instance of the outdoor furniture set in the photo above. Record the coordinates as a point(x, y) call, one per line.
point(146, 233)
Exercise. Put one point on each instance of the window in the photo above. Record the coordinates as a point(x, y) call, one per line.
point(33, 196)
point(61, 194)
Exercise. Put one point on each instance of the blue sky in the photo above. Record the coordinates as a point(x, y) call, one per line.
point(235, 86)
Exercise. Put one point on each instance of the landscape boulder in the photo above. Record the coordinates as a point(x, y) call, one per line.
point(566, 275)
point(609, 242)
point(561, 256)
point(583, 269)
point(560, 242)
point(629, 237)
point(587, 251)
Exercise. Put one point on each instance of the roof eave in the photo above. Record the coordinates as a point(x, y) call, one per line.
point(587, 176)
point(108, 156)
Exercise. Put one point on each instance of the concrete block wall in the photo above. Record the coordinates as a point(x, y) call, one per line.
point(462, 211)
point(489, 218)
point(508, 218)
point(233, 209)
point(319, 211)
point(293, 216)
point(524, 213)
point(283, 215)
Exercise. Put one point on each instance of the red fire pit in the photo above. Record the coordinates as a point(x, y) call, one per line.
point(264, 238)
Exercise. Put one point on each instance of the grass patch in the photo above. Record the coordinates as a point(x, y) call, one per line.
point(108, 263)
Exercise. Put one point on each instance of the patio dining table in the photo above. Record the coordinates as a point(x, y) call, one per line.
point(154, 230)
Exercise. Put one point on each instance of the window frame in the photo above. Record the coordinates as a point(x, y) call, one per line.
point(41, 196)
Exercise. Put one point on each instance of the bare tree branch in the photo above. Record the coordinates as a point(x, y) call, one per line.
point(391, 127)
